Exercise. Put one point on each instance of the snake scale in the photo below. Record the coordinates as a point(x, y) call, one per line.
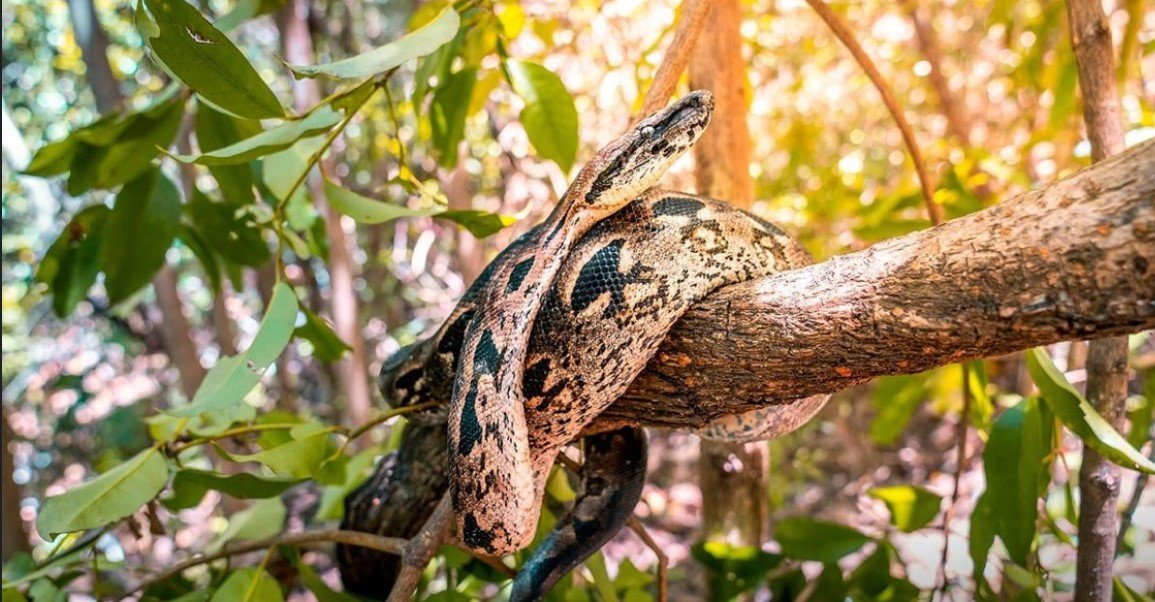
point(552, 332)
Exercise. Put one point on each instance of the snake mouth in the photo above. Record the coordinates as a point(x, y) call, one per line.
point(692, 110)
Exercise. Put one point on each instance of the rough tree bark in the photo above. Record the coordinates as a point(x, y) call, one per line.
point(353, 369)
point(1107, 358)
point(1073, 260)
point(732, 476)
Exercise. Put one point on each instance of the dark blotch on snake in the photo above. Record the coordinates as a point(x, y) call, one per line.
point(486, 357)
point(470, 432)
point(455, 335)
point(518, 274)
point(678, 206)
point(475, 536)
point(601, 275)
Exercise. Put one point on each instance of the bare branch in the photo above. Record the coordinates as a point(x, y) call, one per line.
point(846, 36)
point(1073, 260)
point(677, 56)
point(421, 549)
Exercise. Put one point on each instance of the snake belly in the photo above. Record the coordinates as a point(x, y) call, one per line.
point(616, 295)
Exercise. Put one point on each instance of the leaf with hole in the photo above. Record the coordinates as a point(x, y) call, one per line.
point(550, 118)
point(228, 382)
point(202, 57)
point(1081, 417)
point(107, 498)
point(416, 43)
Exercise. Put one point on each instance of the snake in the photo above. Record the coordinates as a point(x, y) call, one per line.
point(556, 328)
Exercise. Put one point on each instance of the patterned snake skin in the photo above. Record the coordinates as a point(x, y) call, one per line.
point(614, 297)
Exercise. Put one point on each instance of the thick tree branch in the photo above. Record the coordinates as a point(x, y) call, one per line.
point(1073, 260)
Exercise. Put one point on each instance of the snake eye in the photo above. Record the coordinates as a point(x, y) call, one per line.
point(648, 131)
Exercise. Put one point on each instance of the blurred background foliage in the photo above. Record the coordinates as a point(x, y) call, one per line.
point(989, 86)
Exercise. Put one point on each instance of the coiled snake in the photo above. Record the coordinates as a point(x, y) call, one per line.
point(554, 331)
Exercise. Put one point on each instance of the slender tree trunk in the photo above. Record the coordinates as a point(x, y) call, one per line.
point(732, 476)
point(15, 538)
point(93, 42)
point(470, 250)
point(957, 121)
point(176, 332)
point(1106, 358)
point(353, 369)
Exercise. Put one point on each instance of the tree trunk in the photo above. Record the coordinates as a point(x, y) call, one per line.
point(732, 476)
point(176, 332)
point(957, 122)
point(93, 42)
point(15, 539)
point(1106, 358)
point(353, 368)
point(1073, 260)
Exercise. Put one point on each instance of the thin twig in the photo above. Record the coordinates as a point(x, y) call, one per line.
point(960, 464)
point(1133, 504)
point(846, 36)
point(677, 56)
point(663, 560)
point(420, 550)
point(390, 545)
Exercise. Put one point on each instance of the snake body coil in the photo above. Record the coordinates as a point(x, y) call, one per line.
point(557, 327)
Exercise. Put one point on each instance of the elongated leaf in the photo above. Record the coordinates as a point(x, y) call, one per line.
point(211, 264)
point(1081, 417)
point(143, 223)
point(366, 210)
point(107, 498)
point(264, 518)
point(190, 485)
point(379, 60)
point(216, 130)
point(895, 398)
point(120, 159)
point(447, 114)
point(911, 508)
point(72, 262)
point(369, 211)
point(734, 569)
point(228, 230)
point(1014, 465)
point(249, 585)
point(280, 171)
point(53, 159)
point(327, 346)
point(269, 141)
point(300, 457)
point(549, 117)
point(202, 57)
point(232, 378)
point(982, 535)
point(808, 539)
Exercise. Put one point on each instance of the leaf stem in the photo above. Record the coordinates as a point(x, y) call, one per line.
point(241, 430)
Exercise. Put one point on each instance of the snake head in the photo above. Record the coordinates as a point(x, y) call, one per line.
point(635, 161)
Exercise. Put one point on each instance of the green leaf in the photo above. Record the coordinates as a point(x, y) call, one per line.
point(479, 223)
point(281, 170)
point(216, 130)
point(190, 484)
point(366, 210)
point(911, 508)
point(447, 114)
point(809, 539)
point(300, 457)
point(248, 585)
point(107, 498)
point(209, 261)
point(229, 230)
point(895, 399)
point(122, 151)
point(549, 117)
point(734, 569)
point(227, 383)
point(269, 141)
point(143, 223)
point(379, 60)
point(982, 536)
point(1080, 416)
point(72, 262)
point(202, 57)
point(244, 10)
point(311, 580)
point(327, 346)
point(1014, 465)
point(265, 518)
point(53, 159)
